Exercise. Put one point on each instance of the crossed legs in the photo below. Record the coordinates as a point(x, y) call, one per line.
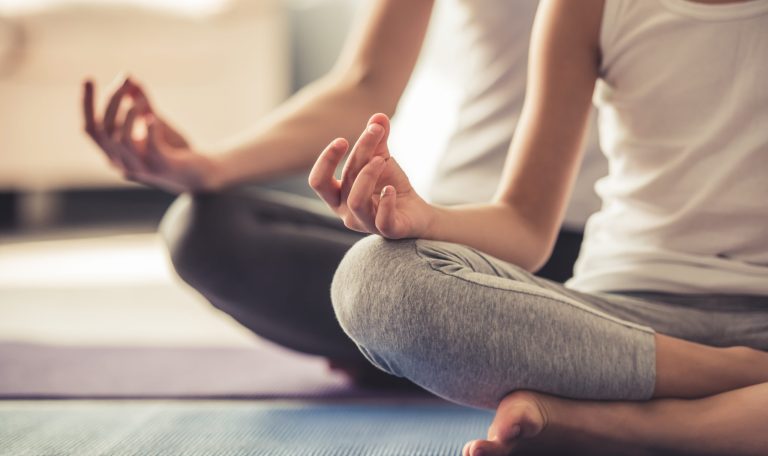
point(266, 258)
point(563, 369)
point(222, 244)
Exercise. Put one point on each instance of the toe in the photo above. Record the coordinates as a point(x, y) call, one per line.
point(488, 448)
point(519, 416)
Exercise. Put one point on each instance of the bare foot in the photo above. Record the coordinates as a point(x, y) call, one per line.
point(520, 417)
point(528, 423)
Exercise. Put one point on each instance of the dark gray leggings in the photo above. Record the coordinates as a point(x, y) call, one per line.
point(267, 258)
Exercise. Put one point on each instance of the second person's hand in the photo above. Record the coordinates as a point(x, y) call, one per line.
point(374, 195)
point(143, 146)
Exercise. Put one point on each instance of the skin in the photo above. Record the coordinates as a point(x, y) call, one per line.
point(707, 400)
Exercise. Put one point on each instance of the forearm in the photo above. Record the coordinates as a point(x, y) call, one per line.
point(494, 228)
point(522, 223)
point(289, 139)
point(369, 77)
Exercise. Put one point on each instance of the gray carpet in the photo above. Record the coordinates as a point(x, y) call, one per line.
point(236, 428)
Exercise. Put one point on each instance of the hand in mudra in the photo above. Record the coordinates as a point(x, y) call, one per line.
point(374, 195)
point(141, 144)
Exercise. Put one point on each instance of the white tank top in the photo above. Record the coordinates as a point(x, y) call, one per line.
point(683, 117)
point(493, 36)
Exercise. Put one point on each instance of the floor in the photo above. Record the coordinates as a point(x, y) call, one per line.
point(62, 291)
point(237, 428)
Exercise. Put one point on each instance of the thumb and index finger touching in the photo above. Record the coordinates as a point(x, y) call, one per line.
point(322, 177)
point(371, 142)
point(128, 88)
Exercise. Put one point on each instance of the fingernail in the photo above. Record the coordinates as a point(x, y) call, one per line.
point(375, 128)
point(377, 161)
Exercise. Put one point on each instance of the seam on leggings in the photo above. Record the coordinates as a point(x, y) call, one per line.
point(539, 293)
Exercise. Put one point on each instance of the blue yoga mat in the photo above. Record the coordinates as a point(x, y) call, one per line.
point(236, 428)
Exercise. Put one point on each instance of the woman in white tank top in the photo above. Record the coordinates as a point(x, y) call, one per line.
point(683, 105)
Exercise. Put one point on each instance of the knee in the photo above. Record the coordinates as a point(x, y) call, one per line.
point(399, 310)
point(374, 300)
point(192, 229)
point(363, 286)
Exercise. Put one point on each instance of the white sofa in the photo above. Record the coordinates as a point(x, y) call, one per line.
point(213, 74)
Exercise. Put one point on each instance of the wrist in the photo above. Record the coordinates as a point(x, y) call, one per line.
point(435, 215)
point(214, 175)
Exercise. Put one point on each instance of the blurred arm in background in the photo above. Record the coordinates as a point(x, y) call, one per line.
point(369, 76)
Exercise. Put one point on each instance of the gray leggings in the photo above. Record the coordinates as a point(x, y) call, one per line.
point(471, 328)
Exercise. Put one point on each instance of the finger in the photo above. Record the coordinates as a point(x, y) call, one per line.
point(153, 145)
point(126, 135)
point(359, 200)
point(361, 154)
point(385, 213)
point(125, 147)
point(382, 120)
point(112, 107)
point(142, 103)
point(88, 109)
point(92, 126)
point(142, 109)
point(488, 448)
point(351, 222)
point(126, 151)
point(322, 179)
point(154, 157)
point(136, 91)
